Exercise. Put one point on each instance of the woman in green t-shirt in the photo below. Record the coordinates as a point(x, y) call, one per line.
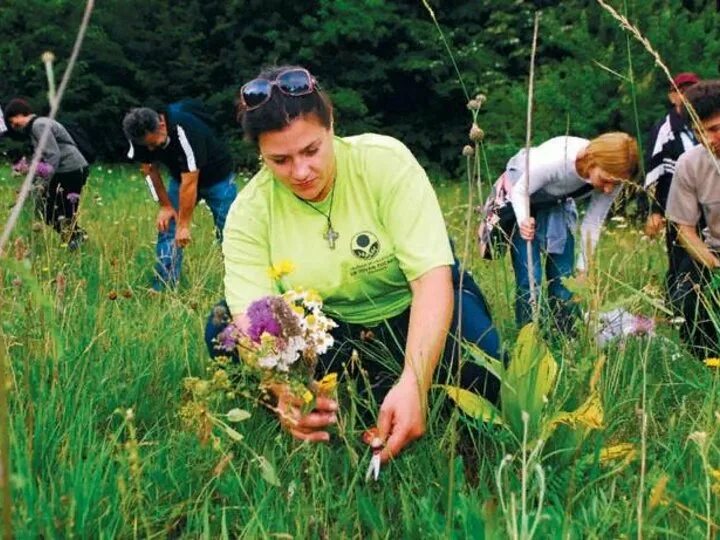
point(360, 222)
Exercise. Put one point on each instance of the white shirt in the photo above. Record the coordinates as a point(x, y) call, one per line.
point(552, 171)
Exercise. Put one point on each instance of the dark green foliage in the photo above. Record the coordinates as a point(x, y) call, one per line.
point(383, 62)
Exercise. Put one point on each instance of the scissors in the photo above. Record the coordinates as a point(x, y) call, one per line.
point(372, 438)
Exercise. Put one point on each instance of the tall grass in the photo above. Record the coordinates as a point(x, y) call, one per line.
point(87, 342)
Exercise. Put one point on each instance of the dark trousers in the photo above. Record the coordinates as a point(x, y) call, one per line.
point(692, 298)
point(381, 349)
point(59, 202)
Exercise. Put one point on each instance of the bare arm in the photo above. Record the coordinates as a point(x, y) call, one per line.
point(402, 414)
point(693, 244)
point(167, 211)
point(188, 198)
point(148, 169)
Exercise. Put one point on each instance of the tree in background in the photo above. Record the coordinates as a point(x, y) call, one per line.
point(384, 61)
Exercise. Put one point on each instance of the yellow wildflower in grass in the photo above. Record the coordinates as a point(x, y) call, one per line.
point(712, 362)
point(327, 384)
point(308, 397)
point(281, 269)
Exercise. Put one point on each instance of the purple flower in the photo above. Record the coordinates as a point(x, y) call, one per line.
point(262, 319)
point(21, 166)
point(45, 170)
point(73, 197)
point(227, 340)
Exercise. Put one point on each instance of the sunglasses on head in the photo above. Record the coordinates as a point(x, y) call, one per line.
point(292, 82)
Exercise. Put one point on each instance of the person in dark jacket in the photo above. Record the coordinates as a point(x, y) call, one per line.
point(668, 139)
point(200, 167)
point(59, 192)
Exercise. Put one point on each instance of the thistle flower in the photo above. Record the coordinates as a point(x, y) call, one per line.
point(74, 198)
point(45, 170)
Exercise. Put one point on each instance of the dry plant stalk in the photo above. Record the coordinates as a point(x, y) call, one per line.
point(528, 138)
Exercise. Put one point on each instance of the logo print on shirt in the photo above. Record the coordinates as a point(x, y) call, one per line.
point(365, 245)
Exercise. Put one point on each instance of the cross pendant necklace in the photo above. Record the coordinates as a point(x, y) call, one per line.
point(331, 235)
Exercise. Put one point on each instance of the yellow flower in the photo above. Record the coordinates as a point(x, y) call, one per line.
point(281, 269)
point(308, 397)
point(327, 384)
point(712, 362)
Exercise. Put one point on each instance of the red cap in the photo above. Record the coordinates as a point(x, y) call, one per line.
point(682, 80)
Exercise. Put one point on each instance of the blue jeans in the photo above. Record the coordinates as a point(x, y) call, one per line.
point(557, 266)
point(218, 197)
point(391, 335)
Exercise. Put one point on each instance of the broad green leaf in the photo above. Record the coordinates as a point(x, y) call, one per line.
point(473, 405)
point(483, 359)
point(268, 471)
point(528, 381)
point(237, 415)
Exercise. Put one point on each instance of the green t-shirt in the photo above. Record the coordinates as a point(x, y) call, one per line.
point(391, 231)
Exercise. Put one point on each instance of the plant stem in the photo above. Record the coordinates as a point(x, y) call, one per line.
point(528, 139)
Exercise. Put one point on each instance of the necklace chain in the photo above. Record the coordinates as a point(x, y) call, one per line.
point(331, 235)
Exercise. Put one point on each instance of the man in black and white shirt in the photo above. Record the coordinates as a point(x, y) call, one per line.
point(667, 141)
point(199, 165)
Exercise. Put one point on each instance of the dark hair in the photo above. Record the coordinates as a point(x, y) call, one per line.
point(705, 99)
point(17, 106)
point(139, 122)
point(280, 110)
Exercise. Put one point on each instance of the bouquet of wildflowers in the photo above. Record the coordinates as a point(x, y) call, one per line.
point(43, 171)
point(285, 336)
point(279, 347)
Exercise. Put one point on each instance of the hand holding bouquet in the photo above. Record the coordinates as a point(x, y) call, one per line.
point(281, 342)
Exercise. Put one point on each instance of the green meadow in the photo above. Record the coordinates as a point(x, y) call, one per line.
point(95, 364)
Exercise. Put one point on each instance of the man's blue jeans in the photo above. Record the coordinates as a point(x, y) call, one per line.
point(218, 197)
point(557, 266)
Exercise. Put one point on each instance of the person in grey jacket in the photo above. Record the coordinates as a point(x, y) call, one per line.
point(60, 198)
